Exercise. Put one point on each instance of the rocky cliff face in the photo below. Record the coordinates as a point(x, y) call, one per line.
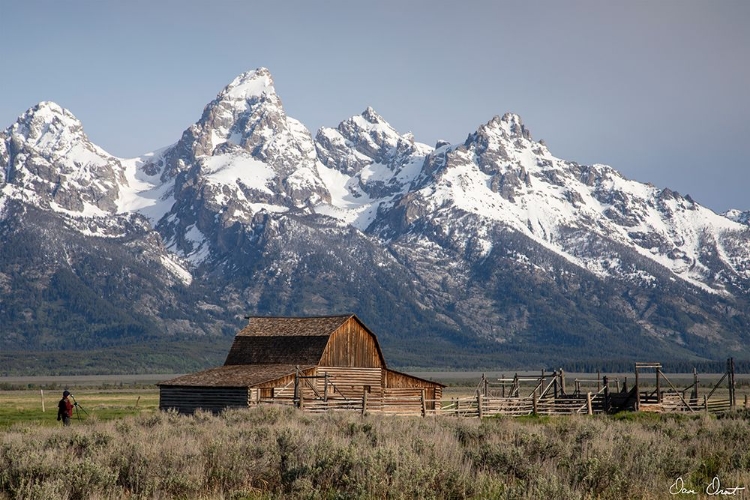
point(493, 249)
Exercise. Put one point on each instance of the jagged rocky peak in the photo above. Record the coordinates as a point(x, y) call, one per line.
point(250, 85)
point(48, 126)
point(246, 113)
point(361, 140)
point(495, 143)
point(247, 117)
point(369, 130)
point(243, 151)
point(371, 116)
point(512, 125)
point(508, 127)
point(743, 217)
point(47, 153)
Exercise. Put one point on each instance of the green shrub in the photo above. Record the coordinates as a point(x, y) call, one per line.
point(277, 452)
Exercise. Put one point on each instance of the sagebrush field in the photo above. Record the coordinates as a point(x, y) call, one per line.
point(278, 452)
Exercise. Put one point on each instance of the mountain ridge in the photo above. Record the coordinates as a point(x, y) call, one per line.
point(483, 243)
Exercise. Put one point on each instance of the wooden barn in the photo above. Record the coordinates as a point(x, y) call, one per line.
point(316, 363)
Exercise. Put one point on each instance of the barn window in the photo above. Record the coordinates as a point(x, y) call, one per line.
point(367, 388)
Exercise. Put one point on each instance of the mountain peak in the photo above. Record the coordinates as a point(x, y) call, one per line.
point(371, 116)
point(743, 217)
point(51, 109)
point(509, 127)
point(250, 84)
point(47, 153)
point(48, 124)
point(245, 113)
point(512, 125)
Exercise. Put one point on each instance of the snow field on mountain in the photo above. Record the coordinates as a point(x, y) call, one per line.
point(250, 156)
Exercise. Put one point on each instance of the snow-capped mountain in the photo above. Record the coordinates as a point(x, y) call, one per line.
point(370, 163)
point(738, 216)
point(494, 245)
point(49, 161)
point(503, 177)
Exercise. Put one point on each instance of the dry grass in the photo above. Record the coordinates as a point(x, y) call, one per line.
point(274, 452)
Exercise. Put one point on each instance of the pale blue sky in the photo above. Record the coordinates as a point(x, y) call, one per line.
point(658, 90)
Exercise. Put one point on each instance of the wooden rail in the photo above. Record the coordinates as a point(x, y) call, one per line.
point(506, 396)
point(481, 406)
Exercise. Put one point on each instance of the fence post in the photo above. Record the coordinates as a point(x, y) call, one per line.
point(424, 404)
point(694, 395)
point(41, 391)
point(554, 384)
point(296, 387)
point(637, 390)
point(589, 410)
point(732, 398)
point(364, 403)
point(658, 385)
point(479, 405)
point(534, 402)
point(705, 403)
point(562, 381)
point(746, 401)
point(606, 394)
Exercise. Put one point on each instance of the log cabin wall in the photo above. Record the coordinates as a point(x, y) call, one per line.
point(354, 346)
point(407, 385)
point(350, 383)
point(403, 381)
point(189, 399)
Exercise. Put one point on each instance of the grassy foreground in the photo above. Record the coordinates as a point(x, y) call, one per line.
point(275, 452)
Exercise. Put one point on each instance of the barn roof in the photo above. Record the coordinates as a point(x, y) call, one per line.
point(235, 375)
point(287, 340)
point(277, 326)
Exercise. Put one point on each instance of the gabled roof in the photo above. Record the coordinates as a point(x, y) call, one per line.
point(279, 326)
point(286, 340)
point(235, 376)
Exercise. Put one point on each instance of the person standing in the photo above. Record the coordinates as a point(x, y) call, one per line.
point(65, 409)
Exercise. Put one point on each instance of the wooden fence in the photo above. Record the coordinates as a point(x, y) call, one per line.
point(517, 396)
point(480, 406)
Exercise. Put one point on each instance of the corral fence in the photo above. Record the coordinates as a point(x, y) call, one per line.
point(666, 397)
point(547, 394)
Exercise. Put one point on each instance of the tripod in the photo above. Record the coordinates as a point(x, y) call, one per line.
point(77, 407)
